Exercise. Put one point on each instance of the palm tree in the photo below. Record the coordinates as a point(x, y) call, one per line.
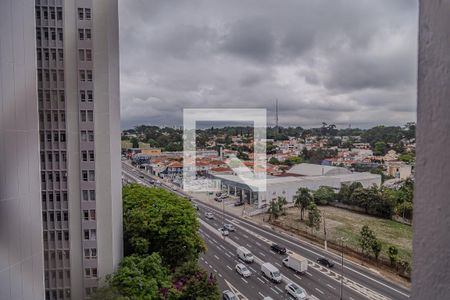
point(302, 199)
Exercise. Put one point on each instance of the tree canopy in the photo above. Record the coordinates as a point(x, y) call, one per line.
point(156, 220)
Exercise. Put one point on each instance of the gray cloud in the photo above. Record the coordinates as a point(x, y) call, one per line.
point(342, 61)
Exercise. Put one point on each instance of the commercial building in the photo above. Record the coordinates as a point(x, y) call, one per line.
point(60, 127)
point(304, 175)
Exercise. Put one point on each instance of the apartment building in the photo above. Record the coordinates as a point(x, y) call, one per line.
point(60, 128)
point(78, 99)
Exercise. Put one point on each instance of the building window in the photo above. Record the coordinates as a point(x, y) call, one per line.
point(60, 34)
point(82, 96)
point(86, 215)
point(91, 175)
point(87, 34)
point(81, 55)
point(83, 136)
point(84, 155)
point(80, 14)
point(90, 96)
point(92, 195)
point(84, 175)
point(85, 195)
point(90, 116)
point(86, 235)
point(93, 252)
point(82, 75)
point(91, 135)
point(89, 75)
point(89, 55)
point(87, 13)
point(81, 34)
point(92, 214)
point(91, 155)
point(59, 13)
point(83, 116)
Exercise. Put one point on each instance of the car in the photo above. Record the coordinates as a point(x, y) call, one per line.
point(141, 176)
point(229, 295)
point(229, 227)
point(325, 262)
point(296, 291)
point(209, 215)
point(238, 203)
point(218, 199)
point(278, 248)
point(196, 206)
point(224, 232)
point(243, 270)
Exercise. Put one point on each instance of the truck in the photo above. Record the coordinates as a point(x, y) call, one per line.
point(296, 262)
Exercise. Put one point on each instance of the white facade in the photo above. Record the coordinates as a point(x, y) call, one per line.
point(21, 249)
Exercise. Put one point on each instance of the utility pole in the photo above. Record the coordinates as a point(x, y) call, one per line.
point(342, 266)
point(325, 232)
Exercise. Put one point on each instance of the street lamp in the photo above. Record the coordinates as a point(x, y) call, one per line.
point(342, 239)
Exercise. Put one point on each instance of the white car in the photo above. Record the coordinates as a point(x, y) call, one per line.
point(209, 215)
point(296, 291)
point(223, 231)
point(229, 227)
point(243, 270)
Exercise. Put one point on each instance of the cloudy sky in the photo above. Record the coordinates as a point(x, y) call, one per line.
point(337, 61)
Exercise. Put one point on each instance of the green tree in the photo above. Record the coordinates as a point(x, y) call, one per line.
point(393, 255)
point(314, 216)
point(366, 240)
point(376, 248)
point(141, 277)
point(156, 220)
point(194, 283)
point(302, 199)
point(380, 148)
point(324, 195)
point(274, 210)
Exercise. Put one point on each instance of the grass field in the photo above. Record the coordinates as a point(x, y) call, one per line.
point(347, 224)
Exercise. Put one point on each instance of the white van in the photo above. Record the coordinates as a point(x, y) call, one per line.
point(244, 254)
point(271, 272)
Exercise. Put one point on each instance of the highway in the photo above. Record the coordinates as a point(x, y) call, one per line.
point(319, 282)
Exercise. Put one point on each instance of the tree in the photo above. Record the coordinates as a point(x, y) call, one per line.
point(302, 199)
point(376, 248)
point(314, 216)
point(156, 220)
point(366, 240)
point(274, 210)
point(194, 283)
point(393, 254)
point(380, 148)
point(141, 277)
point(324, 195)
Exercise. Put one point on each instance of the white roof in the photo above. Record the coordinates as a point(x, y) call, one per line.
point(317, 170)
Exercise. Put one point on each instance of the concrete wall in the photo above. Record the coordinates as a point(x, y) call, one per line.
point(21, 249)
point(431, 243)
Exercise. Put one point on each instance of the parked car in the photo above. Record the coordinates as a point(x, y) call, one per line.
point(296, 291)
point(229, 295)
point(278, 248)
point(229, 227)
point(209, 215)
point(325, 262)
point(224, 232)
point(243, 270)
point(218, 199)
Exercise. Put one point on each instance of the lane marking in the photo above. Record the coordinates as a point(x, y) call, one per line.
point(319, 291)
